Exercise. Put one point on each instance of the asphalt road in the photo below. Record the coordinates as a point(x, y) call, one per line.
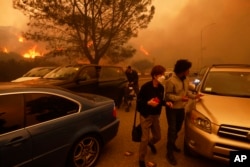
point(113, 154)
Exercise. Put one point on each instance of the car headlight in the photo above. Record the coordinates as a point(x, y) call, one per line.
point(200, 121)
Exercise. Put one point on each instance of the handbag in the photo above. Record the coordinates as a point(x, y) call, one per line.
point(136, 133)
point(136, 130)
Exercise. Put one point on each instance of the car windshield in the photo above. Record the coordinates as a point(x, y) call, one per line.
point(63, 73)
point(227, 83)
point(37, 72)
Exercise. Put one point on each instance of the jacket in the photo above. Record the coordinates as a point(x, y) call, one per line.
point(175, 89)
point(147, 92)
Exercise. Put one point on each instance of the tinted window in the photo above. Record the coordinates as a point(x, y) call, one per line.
point(110, 73)
point(44, 107)
point(11, 113)
point(88, 73)
point(38, 72)
point(63, 73)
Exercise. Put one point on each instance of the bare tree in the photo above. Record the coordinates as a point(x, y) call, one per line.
point(91, 29)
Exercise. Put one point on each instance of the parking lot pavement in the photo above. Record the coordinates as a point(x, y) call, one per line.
point(113, 154)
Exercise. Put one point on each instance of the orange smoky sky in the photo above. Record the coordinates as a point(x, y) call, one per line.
point(10, 16)
point(203, 31)
point(179, 28)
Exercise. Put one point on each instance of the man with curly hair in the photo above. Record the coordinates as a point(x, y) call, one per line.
point(177, 91)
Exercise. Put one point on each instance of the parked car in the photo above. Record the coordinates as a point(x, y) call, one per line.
point(50, 126)
point(219, 122)
point(109, 81)
point(34, 73)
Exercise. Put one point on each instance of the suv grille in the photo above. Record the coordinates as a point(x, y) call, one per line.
point(235, 133)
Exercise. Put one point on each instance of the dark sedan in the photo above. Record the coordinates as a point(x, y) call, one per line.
point(50, 126)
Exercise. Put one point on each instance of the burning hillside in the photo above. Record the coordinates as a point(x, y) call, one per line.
point(12, 41)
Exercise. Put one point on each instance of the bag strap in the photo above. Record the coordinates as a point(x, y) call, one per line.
point(135, 117)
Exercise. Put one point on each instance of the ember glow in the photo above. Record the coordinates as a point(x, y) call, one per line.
point(20, 39)
point(90, 43)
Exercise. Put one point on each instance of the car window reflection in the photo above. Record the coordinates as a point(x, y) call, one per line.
point(11, 113)
point(44, 107)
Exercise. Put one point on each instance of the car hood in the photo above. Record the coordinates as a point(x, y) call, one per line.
point(225, 109)
point(24, 79)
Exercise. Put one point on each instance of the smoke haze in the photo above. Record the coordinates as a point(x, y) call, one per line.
point(10, 16)
point(224, 25)
point(179, 28)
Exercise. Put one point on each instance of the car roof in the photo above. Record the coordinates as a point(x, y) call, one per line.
point(98, 65)
point(230, 67)
point(19, 85)
point(42, 67)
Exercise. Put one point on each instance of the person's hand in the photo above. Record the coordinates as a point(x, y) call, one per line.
point(198, 96)
point(154, 102)
point(184, 98)
point(169, 104)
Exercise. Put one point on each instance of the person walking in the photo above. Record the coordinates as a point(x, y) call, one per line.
point(149, 105)
point(133, 78)
point(176, 91)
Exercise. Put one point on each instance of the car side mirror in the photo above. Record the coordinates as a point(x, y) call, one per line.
point(196, 82)
point(193, 85)
point(82, 78)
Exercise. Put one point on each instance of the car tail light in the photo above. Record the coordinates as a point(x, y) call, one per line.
point(114, 112)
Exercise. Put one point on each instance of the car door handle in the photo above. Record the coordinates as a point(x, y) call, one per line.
point(16, 141)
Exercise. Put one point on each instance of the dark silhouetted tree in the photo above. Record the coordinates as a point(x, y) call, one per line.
point(93, 29)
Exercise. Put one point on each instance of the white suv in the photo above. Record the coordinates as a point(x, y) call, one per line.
point(220, 122)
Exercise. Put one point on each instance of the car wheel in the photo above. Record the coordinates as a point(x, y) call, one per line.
point(85, 152)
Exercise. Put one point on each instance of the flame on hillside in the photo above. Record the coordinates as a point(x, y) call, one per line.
point(144, 51)
point(5, 50)
point(32, 53)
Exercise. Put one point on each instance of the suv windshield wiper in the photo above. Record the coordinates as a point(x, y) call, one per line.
point(53, 78)
point(245, 96)
point(211, 92)
point(225, 94)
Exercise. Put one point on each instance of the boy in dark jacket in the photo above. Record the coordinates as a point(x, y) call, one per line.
point(149, 104)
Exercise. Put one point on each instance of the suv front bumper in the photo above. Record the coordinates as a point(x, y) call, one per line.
point(211, 145)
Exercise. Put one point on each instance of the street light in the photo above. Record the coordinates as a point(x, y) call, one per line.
point(202, 30)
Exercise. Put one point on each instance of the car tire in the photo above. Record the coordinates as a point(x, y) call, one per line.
point(85, 152)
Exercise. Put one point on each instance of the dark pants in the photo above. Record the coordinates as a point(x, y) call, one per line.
point(150, 123)
point(175, 118)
